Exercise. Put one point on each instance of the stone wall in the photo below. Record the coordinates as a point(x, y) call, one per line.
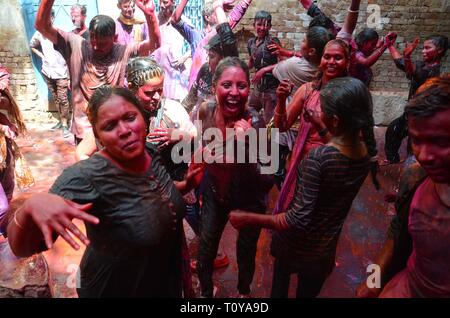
point(15, 55)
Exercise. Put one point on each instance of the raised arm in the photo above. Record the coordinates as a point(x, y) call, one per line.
point(44, 22)
point(238, 11)
point(407, 52)
point(153, 40)
point(373, 58)
point(285, 119)
point(176, 16)
point(351, 18)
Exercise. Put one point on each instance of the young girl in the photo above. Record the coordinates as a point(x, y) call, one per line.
point(328, 180)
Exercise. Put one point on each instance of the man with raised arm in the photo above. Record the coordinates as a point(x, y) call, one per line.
point(98, 61)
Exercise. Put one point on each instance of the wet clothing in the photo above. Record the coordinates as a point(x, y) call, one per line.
point(135, 250)
point(398, 128)
point(428, 224)
point(230, 186)
point(327, 183)
point(88, 72)
point(262, 57)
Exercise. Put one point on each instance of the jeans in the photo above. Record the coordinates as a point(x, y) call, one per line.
point(213, 219)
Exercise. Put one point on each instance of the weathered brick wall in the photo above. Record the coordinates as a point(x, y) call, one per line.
point(409, 18)
point(15, 55)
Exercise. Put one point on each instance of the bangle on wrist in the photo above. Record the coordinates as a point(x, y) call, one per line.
point(352, 11)
point(323, 132)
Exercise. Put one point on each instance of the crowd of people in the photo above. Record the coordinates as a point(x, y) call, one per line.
point(137, 102)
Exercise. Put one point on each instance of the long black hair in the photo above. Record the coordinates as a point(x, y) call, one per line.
point(350, 100)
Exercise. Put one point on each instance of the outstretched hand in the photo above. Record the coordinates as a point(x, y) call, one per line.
point(54, 214)
point(390, 38)
point(147, 6)
point(410, 47)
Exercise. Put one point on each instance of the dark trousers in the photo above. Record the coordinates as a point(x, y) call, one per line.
point(213, 219)
point(310, 279)
point(395, 133)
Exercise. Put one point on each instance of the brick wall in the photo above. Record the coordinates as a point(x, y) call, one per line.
point(409, 18)
point(15, 55)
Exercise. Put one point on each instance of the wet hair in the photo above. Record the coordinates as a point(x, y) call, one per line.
point(350, 100)
point(317, 37)
point(230, 61)
point(104, 93)
point(142, 69)
point(263, 15)
point(365, 36)
point(441, 42)
point(322, 20)
point(433, 97)
point(102, 25)
point(82, 8)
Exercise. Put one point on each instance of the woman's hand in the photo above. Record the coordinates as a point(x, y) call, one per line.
point(390, 39)
point(284, 89)
point(410, 47)
point(53, 214)
point(165, 136)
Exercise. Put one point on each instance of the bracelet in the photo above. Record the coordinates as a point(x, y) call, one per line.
point(352, 11)
point(323, 132)
point(17, 222)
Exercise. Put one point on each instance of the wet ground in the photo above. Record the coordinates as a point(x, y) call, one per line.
point(363, 234)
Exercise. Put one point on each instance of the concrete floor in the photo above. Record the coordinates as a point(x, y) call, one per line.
point(363, 234)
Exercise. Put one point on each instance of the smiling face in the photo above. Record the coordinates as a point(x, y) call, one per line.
point(127, 8)
point(232, 90)
point(150, 93)
point(334, 62)
point(121, 129)
point(430, 140)
point(262, 27)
